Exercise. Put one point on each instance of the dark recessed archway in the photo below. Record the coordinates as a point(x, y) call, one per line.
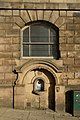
point(51, 88)
point(69, 102)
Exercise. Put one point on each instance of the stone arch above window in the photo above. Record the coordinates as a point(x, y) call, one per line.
point(40, 39)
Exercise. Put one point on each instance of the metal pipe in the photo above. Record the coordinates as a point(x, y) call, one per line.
point(13, 98)
point(14, 83)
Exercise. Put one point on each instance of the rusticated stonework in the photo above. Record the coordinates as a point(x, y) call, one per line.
point(60, 75)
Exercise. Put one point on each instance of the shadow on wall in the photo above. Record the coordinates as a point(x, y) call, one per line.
point(69, 102)
point(51, 94)
point(51, 98)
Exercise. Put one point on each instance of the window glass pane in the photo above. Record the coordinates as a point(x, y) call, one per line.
point(44, 34)
point(51, 50)
point(54, 51)
point(53, 35)
point(26, 35)
point(39, 50)
point(39, 33)
point(25, 50)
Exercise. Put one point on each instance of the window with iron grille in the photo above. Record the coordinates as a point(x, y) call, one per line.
point(40, 40)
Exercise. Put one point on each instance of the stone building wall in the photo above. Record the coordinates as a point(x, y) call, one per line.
point(14, 15)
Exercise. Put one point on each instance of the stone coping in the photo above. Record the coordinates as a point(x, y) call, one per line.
point(39, 5)
point(57, 1)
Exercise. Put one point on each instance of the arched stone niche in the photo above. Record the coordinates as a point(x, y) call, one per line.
point(51, 95)
point(54, 69)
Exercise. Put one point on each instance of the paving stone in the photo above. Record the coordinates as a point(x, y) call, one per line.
point(10, 114)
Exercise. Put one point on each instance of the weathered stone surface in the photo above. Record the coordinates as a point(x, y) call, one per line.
point(40, 14)
point(32, 15)
point(1, 61)
point(16, 4)
point(29, 5)
point(51, 6)
point(68, 61)
point(74, 68)
point(25, 16)
point(64, 54)
point(5, 54)
point(35, 1)
point(77, 47)
point(2, 19)
point(5, 4)
point(77, 61)
point(69, 20)
point(12, 32)
point(2, 33)
point(63, 13)
point(5, 69)
point(70, 47)
point(62, 27)
point(62, 39)
point(70, 39)
point(67, 47)
point(77, 55)
point(52, 1)
point(6, 12)
point(16, 54)
point(47, 15)
point(54, 16)
point(9, 19)
point(12, 22)
point(10, 1)
point(70, 26)
point(2, 48)
point(16, 40)
point(77, 33)
point(7, 40)
point(60, 21)
point(9, 62)
point(70, 74)
point(70, 13)
point(73, 82)
point(19, 22)
point(14, 47)
point(67, 75)
point(63, 47)
point(16, 12)
point(9, 76)
point(5, 26)
point(72, 53)
point(63, 6)
point(77, 26)
point(77, 20)
point(76, 14)
point(77, 74)
point(66, 33)
point(1, 76)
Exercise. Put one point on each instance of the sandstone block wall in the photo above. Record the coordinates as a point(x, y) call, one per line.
point(14, 15)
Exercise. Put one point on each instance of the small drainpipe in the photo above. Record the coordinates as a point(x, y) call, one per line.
point(14, 83)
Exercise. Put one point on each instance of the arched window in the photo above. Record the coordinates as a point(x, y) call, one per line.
point(40, 39)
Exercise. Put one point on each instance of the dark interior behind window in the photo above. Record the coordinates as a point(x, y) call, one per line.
point(41, 40)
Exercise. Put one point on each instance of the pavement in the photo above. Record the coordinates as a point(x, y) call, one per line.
point(33, 114)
